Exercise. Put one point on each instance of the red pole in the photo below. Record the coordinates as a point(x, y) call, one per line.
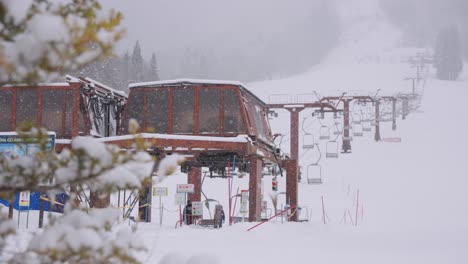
point(229, 191)
point(234, 209)
point(357, 207)
point(180, 214)
point(323, 212)
point(291, 208)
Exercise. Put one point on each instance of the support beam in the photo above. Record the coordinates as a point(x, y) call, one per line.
point(11, 207)
point(144, 203)
point(291, 185)
point(194, 177)
point(294, 132)
point(377, 121)
point(404, 107)
point(255, 192)
point(346, 147)
point(41, 211)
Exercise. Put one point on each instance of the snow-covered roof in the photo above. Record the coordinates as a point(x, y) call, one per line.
point(122, 93)
point(70, 78)
point(238, 139)
point(34, 85)
point(193, 81)
point(189, 81)
point(14, 133)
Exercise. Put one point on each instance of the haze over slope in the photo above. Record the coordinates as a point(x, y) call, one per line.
point(412, 194)
point(368, 58)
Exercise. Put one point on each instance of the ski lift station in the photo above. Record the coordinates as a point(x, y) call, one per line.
point(214, 124)
point(218, 125)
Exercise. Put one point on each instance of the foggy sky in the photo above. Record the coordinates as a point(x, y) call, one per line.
point(163, 24)
point(250, 40)
point(242, 39)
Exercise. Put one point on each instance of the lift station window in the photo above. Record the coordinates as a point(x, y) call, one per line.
point(233, 122)
point(258, 113)
point(137, 100)
point(81, 123)
point(52, 110)
point(182, 110)
point(209, 107)
point(26, 106)
point(157, 111)
point(5, 110)
point(68, 114)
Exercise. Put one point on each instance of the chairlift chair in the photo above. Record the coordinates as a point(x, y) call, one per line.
point(357, 130)
point(308, 141)
point(332, 149)
point(357, 118)
point(387, 117)
point(314, 170)
point(324, 133)
point(314, 174)
point(367, 117)
point(367, 126)
point(337, 130)
point(211, 220)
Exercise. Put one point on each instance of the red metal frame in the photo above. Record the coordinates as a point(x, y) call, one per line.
point(255, 151)
point(74, 114)
point(246, 106)
point(40, 89)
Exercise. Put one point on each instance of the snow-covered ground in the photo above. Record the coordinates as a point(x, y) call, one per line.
point(412, 195)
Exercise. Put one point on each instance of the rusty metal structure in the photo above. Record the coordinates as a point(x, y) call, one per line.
point(294, 110)
point(212, 123)
point(81, 106)
point(376, 101)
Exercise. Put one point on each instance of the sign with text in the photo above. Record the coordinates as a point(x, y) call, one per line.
point(244, 207)
point(24, 198)
point(180, 198)
point(197, 208)
point(160, 191)
point(12, 144)
point(185, 188)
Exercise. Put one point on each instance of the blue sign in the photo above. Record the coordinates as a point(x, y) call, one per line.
point(11, 144)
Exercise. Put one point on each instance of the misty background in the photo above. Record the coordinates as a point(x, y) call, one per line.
point(251, 40)
point(422, 20)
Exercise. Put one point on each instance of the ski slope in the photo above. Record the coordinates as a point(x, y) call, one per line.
point(412, 195)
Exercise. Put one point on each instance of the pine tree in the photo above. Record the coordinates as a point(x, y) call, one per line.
point(137, 64)
point(125, 71)
point(153, 74)
point(448, 58)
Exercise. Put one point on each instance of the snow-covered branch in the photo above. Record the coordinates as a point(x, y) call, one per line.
point(41, 40)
